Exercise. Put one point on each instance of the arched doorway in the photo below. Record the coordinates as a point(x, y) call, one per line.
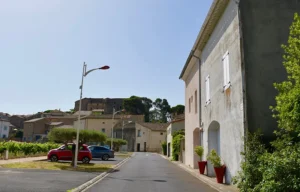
point(213, 143)
point(196, 142)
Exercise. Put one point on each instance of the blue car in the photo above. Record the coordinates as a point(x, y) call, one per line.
point(101, 152)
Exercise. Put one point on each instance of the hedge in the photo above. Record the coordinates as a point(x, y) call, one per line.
point(27, 148)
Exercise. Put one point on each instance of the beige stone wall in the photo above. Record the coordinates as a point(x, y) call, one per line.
point(34, 128)
point(156, 138)
point(153, 139)
point(99, 124)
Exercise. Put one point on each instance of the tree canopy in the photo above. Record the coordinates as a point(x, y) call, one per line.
point(65, 135)
point(177, 110)
point(154, 111)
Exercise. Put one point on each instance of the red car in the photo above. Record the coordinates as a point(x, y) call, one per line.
point(65, 153)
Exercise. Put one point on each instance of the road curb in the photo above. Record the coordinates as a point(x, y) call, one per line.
point(215, 186)
point(93, 181)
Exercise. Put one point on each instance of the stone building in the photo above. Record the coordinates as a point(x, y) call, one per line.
point(229, 76)
point(107, 104)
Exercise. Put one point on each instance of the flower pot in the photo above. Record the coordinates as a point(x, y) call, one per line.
point(220, 172)
point(202, 165)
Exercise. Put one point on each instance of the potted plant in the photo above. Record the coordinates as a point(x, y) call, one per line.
point(215, 160)
point(201, 164)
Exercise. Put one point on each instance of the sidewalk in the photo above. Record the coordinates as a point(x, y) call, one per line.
point(20, 160)
point(208, 180)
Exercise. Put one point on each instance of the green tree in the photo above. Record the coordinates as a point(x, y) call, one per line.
point(250, 175)
point(177, 110)
point(278, 169)
point(281, 167)
point(138, 106)
point(161, 111)
point(147, 105)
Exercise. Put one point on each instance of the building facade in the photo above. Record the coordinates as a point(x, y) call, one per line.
point(38, 128)
point(175, 125)
point(106, 104)
point(150, 136)
point(233, 64)
point(4, 128)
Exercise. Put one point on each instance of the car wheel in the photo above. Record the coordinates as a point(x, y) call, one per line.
point(85, 160)
point(54, 158)
point(105, 157)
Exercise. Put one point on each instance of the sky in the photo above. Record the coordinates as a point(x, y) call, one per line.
point(43, 45)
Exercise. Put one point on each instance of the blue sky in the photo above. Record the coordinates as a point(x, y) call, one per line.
point(44, 44)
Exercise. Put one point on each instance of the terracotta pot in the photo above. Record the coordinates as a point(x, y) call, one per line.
point(220, 172)
point(202, 165)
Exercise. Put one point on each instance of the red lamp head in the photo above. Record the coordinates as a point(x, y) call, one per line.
point(105, 67)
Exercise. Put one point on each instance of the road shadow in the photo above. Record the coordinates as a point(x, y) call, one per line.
point(132, 180)
point(99, 159)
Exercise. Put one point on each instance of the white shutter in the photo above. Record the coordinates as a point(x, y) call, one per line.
point(226, 69)
point(207, 89)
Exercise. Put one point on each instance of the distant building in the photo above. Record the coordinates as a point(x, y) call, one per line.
point(4, 128)
point(150, 136)
point(107, 104)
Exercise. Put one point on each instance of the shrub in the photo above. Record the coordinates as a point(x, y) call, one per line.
point(176, 140)
point(214, 158)
point(250, 175)
point(116, 143)
point(199, 151)
point(164, 147)
point(19, 148)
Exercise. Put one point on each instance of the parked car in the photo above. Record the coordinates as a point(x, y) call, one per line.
point(64, 152)
point(101, 152)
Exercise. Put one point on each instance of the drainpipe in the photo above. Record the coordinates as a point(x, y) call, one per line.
point(199, 98)
point(245, 119)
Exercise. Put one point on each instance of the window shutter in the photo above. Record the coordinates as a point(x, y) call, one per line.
point(224, 71)
point(207, 89)
point(225, 60)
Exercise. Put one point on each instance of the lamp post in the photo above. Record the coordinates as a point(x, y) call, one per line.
point(84, 73)
point(124, 125)
point(112, 127)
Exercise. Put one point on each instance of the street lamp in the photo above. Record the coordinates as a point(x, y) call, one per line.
point(84, 73)
point(112, 127)
point(124, 125)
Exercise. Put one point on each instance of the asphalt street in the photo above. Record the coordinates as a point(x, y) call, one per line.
point(33, 180)
point(148, 172)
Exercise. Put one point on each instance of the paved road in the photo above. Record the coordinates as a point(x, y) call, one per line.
point(147, 172)
point(33, 180)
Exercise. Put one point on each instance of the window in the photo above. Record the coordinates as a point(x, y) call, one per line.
point(5, 128)
point(196, 101)
point(225, 61)
point(103, 130)
point(139, 133)
point(161, 133)
point(207, 90)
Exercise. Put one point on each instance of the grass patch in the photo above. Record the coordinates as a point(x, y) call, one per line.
point(91, 167)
